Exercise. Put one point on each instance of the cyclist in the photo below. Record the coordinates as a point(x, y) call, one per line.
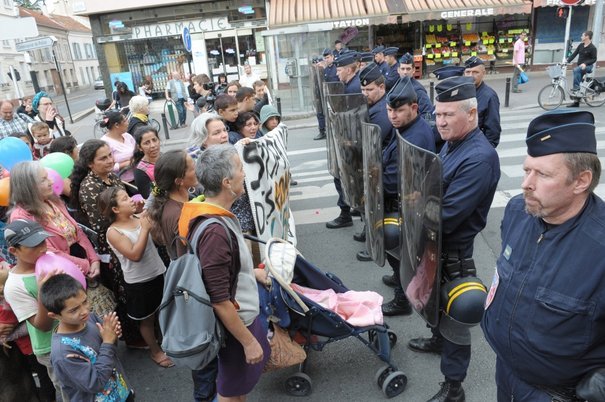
point(587, 56)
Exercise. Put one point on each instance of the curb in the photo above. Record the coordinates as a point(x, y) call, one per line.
point(80, 115)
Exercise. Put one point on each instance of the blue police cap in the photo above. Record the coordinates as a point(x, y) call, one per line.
point(326, 52)
point(455, 89)
point(369, 74)
point(390, 51)
point(346, 58)
point(378, 49)
point(367, 57)
point(473, 61)
point(448, 72)
point(406, 59)
point(402, 93)
point(561, 132)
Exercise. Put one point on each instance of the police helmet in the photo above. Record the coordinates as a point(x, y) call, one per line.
point(462, 302)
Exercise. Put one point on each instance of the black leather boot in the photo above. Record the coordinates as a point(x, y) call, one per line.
point(397, 306)
point(342, 221)
point(390, 280)
point(321, 135)
point(433, 344)
point(451, 391)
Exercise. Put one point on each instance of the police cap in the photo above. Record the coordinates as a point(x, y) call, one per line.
point(346, 59)
point(406, 59)
point(561, 132)
point(369, 74)
point(448, 71)
point(326, 52)
point(390, 51)
point(366, 57)
point(402, 93)
point(378, 49)
point(455, 89)
point(473, 61)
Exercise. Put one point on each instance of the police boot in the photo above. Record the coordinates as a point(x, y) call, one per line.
point(343, 220)
point(433, 344)
point(390, 280)
point(451, 391)
point(398, 306)
point(321, 135)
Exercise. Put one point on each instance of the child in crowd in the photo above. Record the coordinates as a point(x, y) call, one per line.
point(245, 99)
point(42, 139)
point(130, 239)
point(84, 348)
point(66, 144)
point(27, 242)
point(269, 118)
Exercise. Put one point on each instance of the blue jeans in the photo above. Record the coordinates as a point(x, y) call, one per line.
point(204, 382)
point(180, 107)
point(578, 73)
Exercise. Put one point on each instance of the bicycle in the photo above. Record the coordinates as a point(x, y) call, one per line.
point(102, 106)
point(552, 96)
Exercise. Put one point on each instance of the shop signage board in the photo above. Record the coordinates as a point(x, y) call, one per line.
point(173, 28)
point(449, 14)
point(38, 43)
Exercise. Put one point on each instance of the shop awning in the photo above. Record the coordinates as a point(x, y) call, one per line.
point(342, 12)
point(557, 3)
point(423, 10)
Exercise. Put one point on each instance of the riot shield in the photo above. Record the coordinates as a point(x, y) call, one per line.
point(317, 80)
point(372, 185)
point(420, 189)
point(347, 112)
point(331, 88)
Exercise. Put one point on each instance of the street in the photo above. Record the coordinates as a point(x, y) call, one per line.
point(344, 371)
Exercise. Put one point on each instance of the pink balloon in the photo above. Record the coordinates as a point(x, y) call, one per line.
point(56, 179)
point(50, 262)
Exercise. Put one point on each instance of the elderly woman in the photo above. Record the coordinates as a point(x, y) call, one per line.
point(139, 109)
point(46, 112)
point(33, 199)
point(206, 130)
point(93, 173)
point(228, 273)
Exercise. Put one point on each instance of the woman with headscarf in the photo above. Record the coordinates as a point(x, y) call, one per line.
point(46, 112)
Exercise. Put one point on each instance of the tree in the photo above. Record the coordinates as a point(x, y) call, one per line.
point(32, 5)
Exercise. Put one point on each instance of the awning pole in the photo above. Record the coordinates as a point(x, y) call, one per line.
point(567, 30)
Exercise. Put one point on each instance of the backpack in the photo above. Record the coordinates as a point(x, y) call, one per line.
point(192, 336)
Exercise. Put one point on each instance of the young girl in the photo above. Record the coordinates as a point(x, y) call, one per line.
point(130, 240)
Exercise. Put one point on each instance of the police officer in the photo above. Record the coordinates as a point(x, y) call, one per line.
point(402, 109)
point(488, 103)
point(365, 58)
point(545, 311)
point(471, 171)
point(379, 58)
point(406, 69)
point(391, 75)
point(346, 69)
point(329, 76)
point(339, 48)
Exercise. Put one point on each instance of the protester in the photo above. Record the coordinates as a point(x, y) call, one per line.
point(121, 143)
point(232, 88)
point(246, 126)
point(46, 112)
point(67, 145)
point(207, 129)
point(269, 118)
point(245, 99)
point(144, 158)
point(42, 139)
point(27, 139)
point(12, 122)
point(139, 110)
point(26, 107)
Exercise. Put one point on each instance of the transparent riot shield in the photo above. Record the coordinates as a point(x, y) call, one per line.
point(420, 189)
point(347, 112)
point(372, 186)
point(317, 80)
point(331, 88)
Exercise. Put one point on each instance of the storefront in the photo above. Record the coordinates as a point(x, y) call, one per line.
point(147, 44)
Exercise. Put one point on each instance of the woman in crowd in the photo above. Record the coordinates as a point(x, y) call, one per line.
point(26, 107)
point(120, 142)
point(139, 109)
point(246, 126)
point(232, 88)
point(207, 129)
point(46, 112)
point(33, 199)
point(93, 173)
point(123, 95)
point(144, 158)
point(228, 272)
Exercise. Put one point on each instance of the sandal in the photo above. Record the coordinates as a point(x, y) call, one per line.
point(164, 362)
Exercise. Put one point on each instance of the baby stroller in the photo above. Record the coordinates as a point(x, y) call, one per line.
point(320, 326)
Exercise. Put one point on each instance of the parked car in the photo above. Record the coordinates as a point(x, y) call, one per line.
point(99, 83)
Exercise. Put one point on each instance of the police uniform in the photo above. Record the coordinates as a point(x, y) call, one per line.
point(382, 65)
point(488, 107)
point(391, 75)
point(545, 313)
point(425, 107)
point(378, 111)
point(329, 76)
point(443, 73)
point(471, 170)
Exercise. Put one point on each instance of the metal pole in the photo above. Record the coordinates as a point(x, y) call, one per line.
point(165, 124)
point(62, 86)
point(567, 30)
point(507, 92)
point(432, 91)
point(278, 103)
point(597, 24)
point(15, 83)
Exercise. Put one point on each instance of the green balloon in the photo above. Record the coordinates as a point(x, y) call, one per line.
point(60, 162)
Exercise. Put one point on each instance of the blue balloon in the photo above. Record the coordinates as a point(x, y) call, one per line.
point(12, 151)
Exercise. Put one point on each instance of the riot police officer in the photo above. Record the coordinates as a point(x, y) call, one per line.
point(425, 107)
point(329, 76)
point(379, 58)
point(471, 171)
point(365, 58)
point(488, 104)
point(545, 312)
point(391, 75)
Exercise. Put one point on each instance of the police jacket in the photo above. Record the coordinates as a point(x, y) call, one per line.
point(354, 85)
point(391, 76)
point(424, 102)
point(330, 73)
point(471, 170)
point(488, 110)
point(384, 67)
point(378, 115)
point(418, 133)
point(546, 319)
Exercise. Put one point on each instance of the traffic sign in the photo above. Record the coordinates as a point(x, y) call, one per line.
point(187, 39)
point(38, 43)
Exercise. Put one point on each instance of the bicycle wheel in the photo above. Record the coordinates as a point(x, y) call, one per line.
point(550, 97)
point(155, 124)
point(172, 115)
point(97, 131)
point(594, 98)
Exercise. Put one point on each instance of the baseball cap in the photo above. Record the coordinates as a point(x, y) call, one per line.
point(26, 233)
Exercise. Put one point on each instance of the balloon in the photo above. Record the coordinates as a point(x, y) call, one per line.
point(13, 151)
point(50, 262)
point(5, 191)
point(60, 162)
point(56, 179)
point(137, 198)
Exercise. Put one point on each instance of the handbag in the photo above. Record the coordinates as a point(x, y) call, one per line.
point(101, 300)
point(284, 351)
point(523, 78)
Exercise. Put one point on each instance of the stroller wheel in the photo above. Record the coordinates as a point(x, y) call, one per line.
point(394, 384)
point(298, 384)
point(382, 374)
point(392, 338)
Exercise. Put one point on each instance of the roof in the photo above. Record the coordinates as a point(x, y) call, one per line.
point(70, 24)
point(41, 19)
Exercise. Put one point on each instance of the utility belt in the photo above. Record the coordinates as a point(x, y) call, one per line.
point(453, 266)
point(560, 394)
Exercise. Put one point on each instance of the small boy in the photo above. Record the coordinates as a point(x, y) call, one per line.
point(84, 350)
point(42, 139)
point(269, 118)
point(26, 241)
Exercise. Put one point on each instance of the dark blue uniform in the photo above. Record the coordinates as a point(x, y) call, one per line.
point(471, 170)
point(545, 314)
point(378, 115)
point(384, 67)
point(391, 75)
point(488, 110)
point(330, 73)
point(425, 107)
